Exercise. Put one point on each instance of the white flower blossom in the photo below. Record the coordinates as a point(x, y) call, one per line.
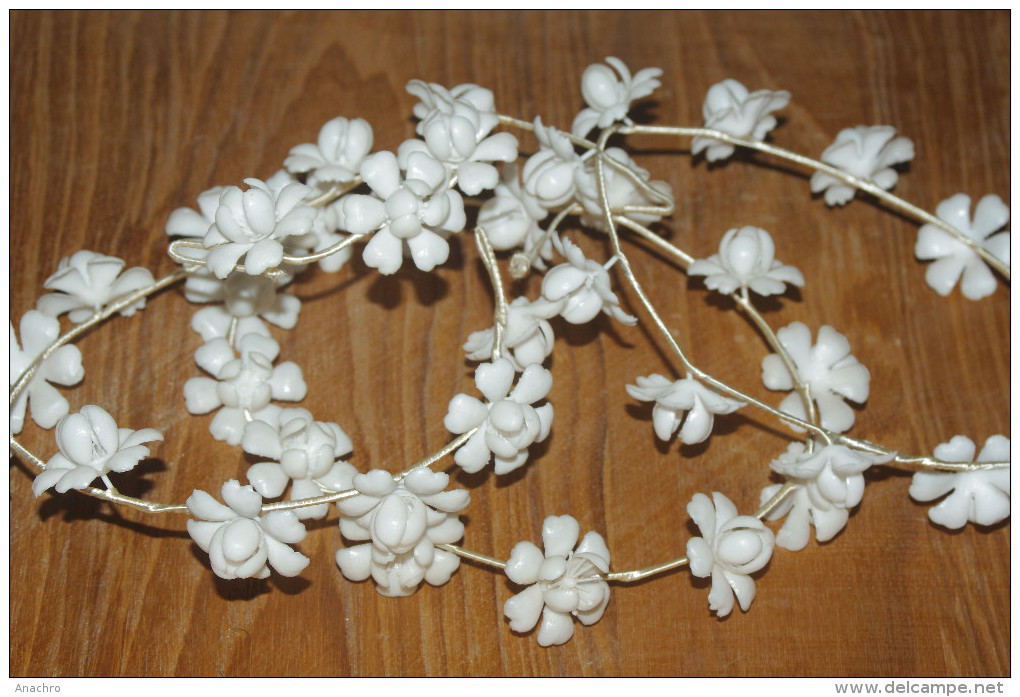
point(413, 212)
point(507, 422)
point(865, 152)
point(609, 94)
point(303, 451)
point(621, 190)
point(247, 299)
point(582, 286)
point(91, 446)
point(243, 386)
point(402, 522)
point(561, 583)
point(829, 370)
point(746, 260)
point(86, 282)
point(829, 482)
point(527, 338)
point(980, 496)
point(342, 146)
point(686, 402)
point(62, 367)
point(952, 257)
point(240, 542)
point(730, 549)
point(507, 219)
point(730, 108)
point(548, 175)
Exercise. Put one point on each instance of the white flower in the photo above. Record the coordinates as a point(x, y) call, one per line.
point(582, 286)
point(342, 146)
point(507, 423)
point(829, 370)
point(240, 543)
point(91, 446)
point(980, 496)
point(87, 281)
point(684, 401)
point(303, 449)
point(621, 190)
point(731, 548)
point(455, 127)
point(242, 386)
point(865, 152)
point(527, 338)
point(246, 298)
point(413, 212)
point(561, 582)
point(403, 521)
point(953, 258)
point(746, 259)
point(731, 109)
point(252, 223)
point(830, 482)
point(62, 367)
point(507, 219)
point(609, 94)
point(548, 175)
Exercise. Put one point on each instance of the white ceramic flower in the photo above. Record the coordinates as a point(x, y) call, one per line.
point(342, 146)
point(240, 542)
point(953, 258)
point(608, 94)
point(92, 446)
point(730, 549)
point(243, 386)
point(413, 211)
point(456, 132)
point(830, 482)
point(730, 108)
point(507, 219)
point(548, 175)
point(303, 450)
point(247, 298)
point(527, 338)
point(253, 223)
point(561, 583)
point(507, 422)
point(746, 260)
point(86, 282)
point(62, 367)
point(829, 370)
point(686, 402)
point(980, 496)
point(582, 287)
point(621, 190)
point(402, 522)
point(866, 152)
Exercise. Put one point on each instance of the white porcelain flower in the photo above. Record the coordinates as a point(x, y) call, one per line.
point(253, 223)
point(686, 402)
point(507, 422)
point(866, 152)
point(327, 230)
point(92, 446)
point(730, 108)
point(582, 286)
point(247, 298)
point(508, 221)
point(608, 94)
point(402, 522)
point(86, 282)
point(563, 581)
point(953, 258)
point(527, 338)
point(730, 549)
point(980, 496)
point(746, 260)
point(829, 370)
point(303, 450)
point(830, 482)
point(243, 386)
point(621, 190)
point(240, 542)
point(548, 175)
point(342, 146)
point(62, 367)
point(413, 212)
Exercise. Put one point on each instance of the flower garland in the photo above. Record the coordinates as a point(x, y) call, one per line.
point(242, 247)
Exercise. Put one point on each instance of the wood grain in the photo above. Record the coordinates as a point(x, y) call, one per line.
point(118, 118)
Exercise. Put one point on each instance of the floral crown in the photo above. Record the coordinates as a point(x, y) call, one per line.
point(242, 247)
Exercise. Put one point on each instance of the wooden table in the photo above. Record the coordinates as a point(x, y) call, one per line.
point(119, 118)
